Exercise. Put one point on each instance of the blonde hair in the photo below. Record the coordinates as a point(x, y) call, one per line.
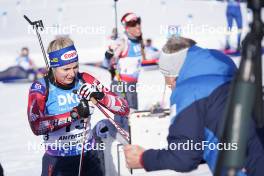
point(59, 43)
point(175, 44)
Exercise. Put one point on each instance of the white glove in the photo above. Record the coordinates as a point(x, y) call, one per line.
point(87, 91)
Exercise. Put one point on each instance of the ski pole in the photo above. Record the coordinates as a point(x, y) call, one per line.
point(142, 48)
point(83, 143)
point(116, 36)
point(85, 104)
point(116, 26)
point(130, 140)
point(36, 25)
point(75, 114)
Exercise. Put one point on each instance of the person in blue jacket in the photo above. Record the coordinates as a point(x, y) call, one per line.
point(200, 81)
point(233, 12)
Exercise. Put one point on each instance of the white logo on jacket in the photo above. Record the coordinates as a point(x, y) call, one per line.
point(38, 86)
point(137, 49)
point(68, 98)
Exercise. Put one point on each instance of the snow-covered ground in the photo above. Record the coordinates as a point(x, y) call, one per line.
point(89, 22)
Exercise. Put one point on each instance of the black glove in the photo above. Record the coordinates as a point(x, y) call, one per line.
point(140, 38)
point(97, 95)
point(109, 54)
point(81, 111)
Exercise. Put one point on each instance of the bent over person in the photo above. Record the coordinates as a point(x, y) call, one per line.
point(200, 80)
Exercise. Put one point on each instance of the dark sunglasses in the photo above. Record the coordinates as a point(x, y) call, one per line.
point(133, 23)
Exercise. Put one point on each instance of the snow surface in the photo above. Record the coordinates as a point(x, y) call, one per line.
point(97, 17)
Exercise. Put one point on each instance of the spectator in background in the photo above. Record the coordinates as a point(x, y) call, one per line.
point(200, 80)
point(150, 50)
point(24, 69)
point(233, 12)
point(24, 61)
point(111, 41)
point(126, 56)
point(148, 45)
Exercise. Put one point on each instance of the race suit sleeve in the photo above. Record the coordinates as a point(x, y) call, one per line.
point(40, 123)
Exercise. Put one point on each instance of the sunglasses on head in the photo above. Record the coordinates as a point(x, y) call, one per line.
point(133, 23)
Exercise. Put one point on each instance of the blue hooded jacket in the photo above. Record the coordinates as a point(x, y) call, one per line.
point(198, 101)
